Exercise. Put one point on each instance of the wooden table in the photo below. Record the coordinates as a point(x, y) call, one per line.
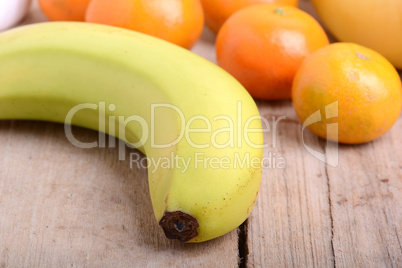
point(61, 206)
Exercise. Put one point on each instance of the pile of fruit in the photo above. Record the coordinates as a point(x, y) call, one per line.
point(262, 43)
point(270, 48)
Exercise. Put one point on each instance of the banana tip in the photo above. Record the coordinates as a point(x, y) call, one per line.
point(179, 225)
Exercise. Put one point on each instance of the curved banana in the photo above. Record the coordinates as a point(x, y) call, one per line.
point(162, 98)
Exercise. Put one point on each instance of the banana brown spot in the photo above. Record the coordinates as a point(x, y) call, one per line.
point(179, 225)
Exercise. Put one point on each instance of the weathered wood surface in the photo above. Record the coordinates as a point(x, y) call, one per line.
point(61, 206)
point(314, 215)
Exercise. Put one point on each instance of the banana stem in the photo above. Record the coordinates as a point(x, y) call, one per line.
point(179, 225)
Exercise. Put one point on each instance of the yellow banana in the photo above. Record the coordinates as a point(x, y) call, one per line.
point(169, 102)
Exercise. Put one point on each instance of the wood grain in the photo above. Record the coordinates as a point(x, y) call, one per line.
point(314, 215)
point(291, 225)
point(366, 202)
point(61, 206)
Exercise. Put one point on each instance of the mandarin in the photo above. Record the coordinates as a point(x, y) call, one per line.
point(177, 21)
point(218, 11)
point(262, 46)
point(363, 85)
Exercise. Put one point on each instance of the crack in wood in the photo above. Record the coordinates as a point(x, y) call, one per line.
point(288, 215)
point(330, 215)
point(242, 232)
point(397, 237)
point(323, 145)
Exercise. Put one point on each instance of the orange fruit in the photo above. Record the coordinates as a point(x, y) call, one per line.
point(177, 21)
point(363, 85)
point(64, 10)
point(218, 11)
point(262, 46)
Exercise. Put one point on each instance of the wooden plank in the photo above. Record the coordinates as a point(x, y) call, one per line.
point(311, 214)
point(63, 206)
point(297, 222)
point(366, 202)
point(291, 224)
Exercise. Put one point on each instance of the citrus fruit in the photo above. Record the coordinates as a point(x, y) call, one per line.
point(376, 24)
point(64, 10)
point(177, 21)
point(218, 11)
point(363, 85)
point(262, 46)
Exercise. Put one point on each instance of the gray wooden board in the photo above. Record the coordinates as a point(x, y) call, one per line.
point(62, 206)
